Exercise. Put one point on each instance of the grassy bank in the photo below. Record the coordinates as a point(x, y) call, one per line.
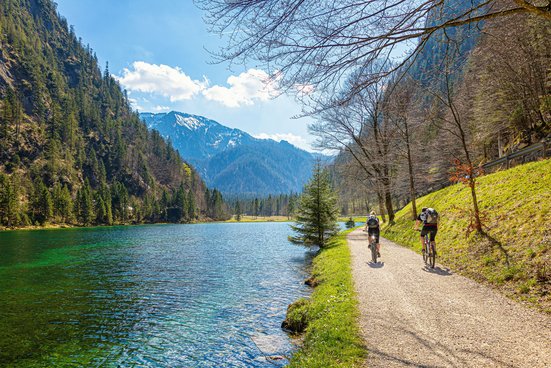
point(515, 255)
point(355, 218)
point(332, 337)
point(260, 219)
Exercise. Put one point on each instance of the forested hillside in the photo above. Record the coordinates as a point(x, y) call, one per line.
point(71, 148)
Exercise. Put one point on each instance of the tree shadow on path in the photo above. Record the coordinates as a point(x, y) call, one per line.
point(441, 354)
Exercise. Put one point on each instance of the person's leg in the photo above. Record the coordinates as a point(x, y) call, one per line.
point(433, 238)
point(422, 238)
point(377, 233)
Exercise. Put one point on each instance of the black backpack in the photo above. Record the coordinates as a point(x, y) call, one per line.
point(372, 222)
point(431, 216)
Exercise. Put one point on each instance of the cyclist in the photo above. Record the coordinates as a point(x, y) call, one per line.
point(429, 218)
point(372, 228)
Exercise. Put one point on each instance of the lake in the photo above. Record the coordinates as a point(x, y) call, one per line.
point(205, 295)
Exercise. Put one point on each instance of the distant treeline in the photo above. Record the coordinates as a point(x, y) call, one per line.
point(272, 205)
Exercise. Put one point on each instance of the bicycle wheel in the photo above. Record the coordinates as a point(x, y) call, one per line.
point(432, 256)
point(374, 253)
point(426, 251)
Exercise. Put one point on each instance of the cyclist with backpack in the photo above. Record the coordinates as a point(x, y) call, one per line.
point(372, 228)
point(429, 218)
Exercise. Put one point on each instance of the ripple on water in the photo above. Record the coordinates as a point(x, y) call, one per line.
point(208, 295)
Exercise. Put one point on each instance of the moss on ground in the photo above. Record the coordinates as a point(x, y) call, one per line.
point(332, 337)
point(515, 254)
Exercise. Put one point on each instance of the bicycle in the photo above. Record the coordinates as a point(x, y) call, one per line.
point(429, 252)
point(373, 246)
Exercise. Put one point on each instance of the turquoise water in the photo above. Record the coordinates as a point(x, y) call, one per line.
point(208, 295)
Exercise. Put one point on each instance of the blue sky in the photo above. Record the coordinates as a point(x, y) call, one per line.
point(158, 50)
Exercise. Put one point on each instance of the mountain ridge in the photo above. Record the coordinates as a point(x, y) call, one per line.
point(233, 160)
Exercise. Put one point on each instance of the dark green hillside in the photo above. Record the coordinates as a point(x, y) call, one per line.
point(71, 148)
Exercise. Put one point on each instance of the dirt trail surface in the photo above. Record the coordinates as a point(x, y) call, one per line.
point(415, 317)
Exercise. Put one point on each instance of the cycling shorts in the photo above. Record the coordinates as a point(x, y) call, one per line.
point(432, 230)
point(374, 231)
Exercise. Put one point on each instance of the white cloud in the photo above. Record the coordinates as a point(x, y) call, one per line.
point(173, 83)
point(160, 108)
point(135, 104)
point(295, 140)
point(244, 89)
point(161, 79)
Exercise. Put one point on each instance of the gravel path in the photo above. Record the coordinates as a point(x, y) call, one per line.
point(415, 317)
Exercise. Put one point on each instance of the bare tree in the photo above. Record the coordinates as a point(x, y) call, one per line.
point(360, 129)
point(507, 76)
point(451, 118)
point(317, 43)
point(401, 106)
point(356, 187)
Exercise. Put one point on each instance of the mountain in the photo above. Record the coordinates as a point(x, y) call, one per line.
point(231, 160)
point(431, 59)
point(71, 148)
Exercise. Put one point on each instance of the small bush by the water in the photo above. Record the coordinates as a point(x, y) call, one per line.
point(297, 316)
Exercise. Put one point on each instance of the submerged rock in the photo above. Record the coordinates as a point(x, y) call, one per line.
point(311, 281)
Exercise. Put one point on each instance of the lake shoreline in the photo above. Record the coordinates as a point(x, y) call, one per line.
point(55, 226)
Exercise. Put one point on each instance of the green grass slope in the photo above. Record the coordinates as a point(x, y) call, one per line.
point(515, 256)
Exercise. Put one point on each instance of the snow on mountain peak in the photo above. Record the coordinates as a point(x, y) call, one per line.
point(189, 122)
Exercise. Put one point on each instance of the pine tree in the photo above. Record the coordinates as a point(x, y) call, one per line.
point(191, 210)
point(105, 195)
point(62, 203)
point(41, 203)
point(317, 211)
point(238, 211)
point(9, 201)
point(85, 205)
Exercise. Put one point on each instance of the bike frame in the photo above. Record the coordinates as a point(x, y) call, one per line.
point(373, 247)
point(430, 250)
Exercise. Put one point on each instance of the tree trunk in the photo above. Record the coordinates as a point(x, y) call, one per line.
point(499, 145)
point(411, 179)
point(388, 200)
point(472, 180)
point(389, 209)
point(478, 222)
point(381, 205)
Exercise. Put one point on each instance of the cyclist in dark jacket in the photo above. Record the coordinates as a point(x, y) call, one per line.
point(372, 228)
point(430, 224)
